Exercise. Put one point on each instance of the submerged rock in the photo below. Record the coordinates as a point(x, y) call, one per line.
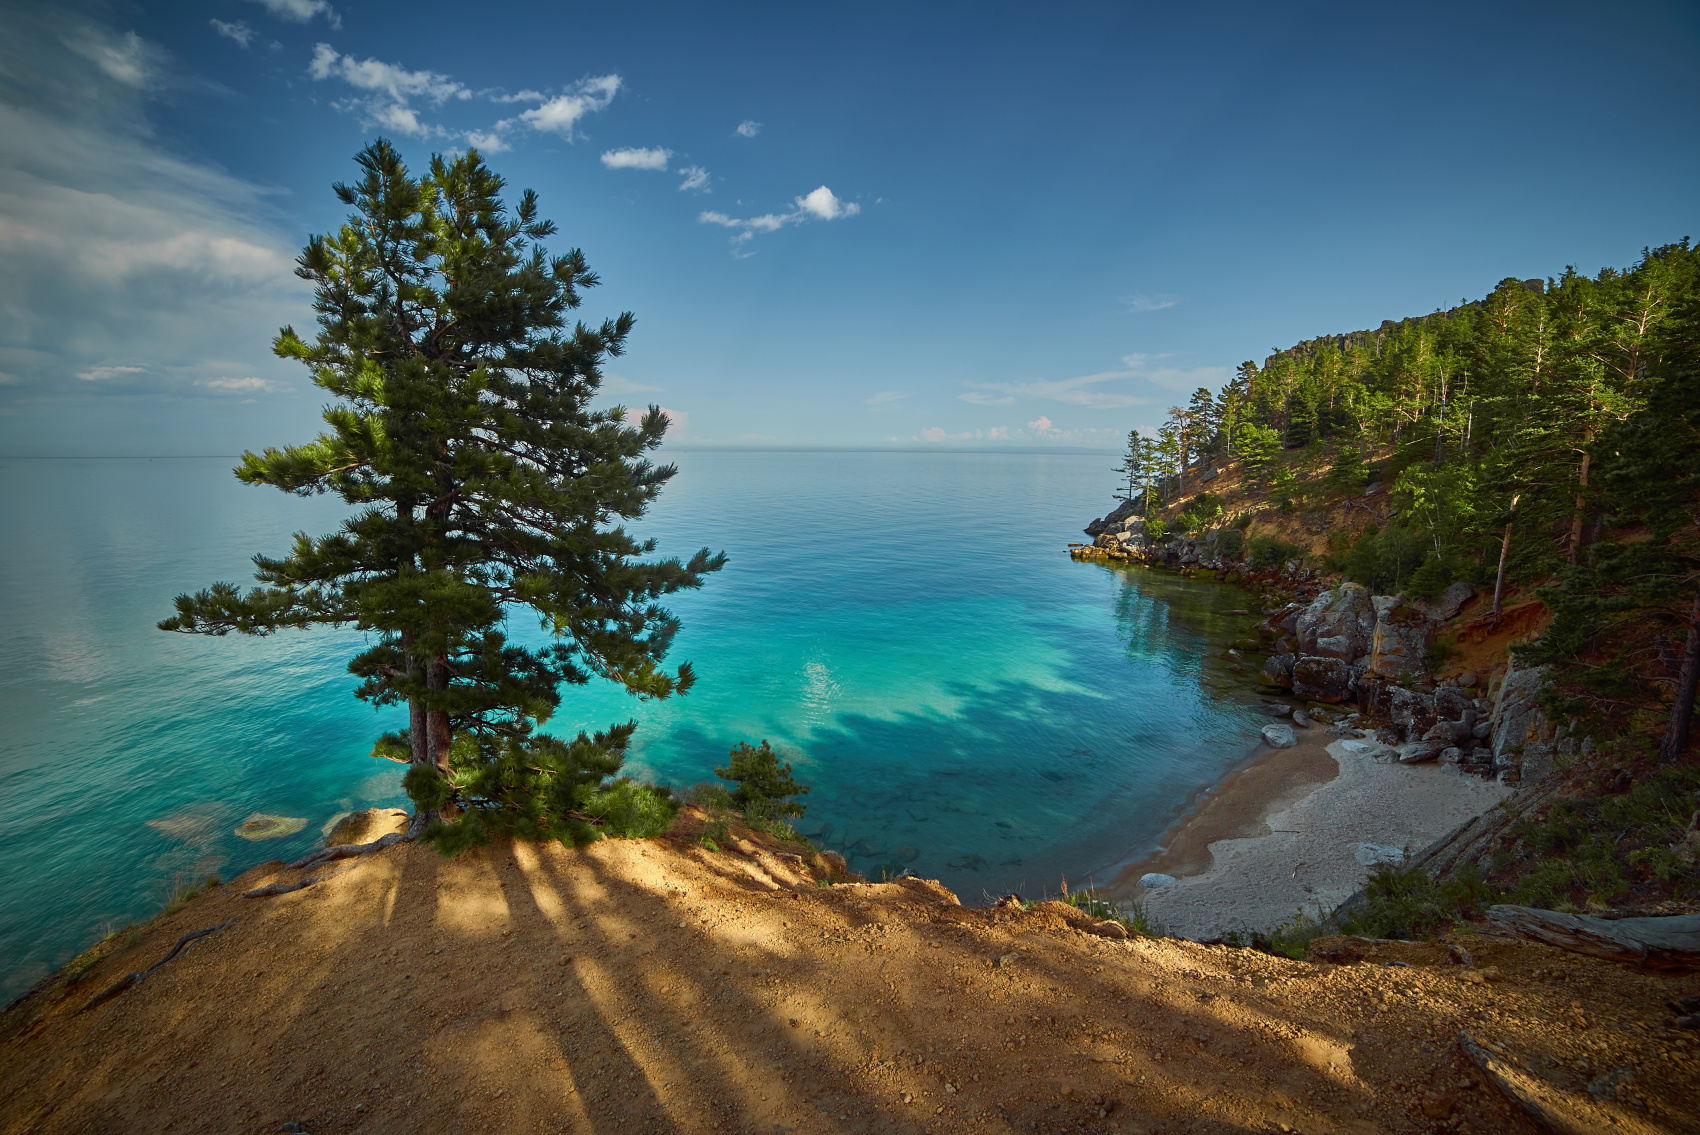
point(260, 825)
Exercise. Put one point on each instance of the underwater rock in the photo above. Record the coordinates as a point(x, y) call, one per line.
point(260, 825)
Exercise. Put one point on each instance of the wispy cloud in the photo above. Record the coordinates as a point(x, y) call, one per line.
point(126, 59)
point(748, 128)
point(696, 178)
point(1089, 390)
point(240, 385)
point(618, 384)
point(394, 88)
point(1141, 301)
point(239, 31)
point(818, 204)
point(301, 11)
point(101, 374)
point(636, 158)
point(886, 397)
point(561, 114)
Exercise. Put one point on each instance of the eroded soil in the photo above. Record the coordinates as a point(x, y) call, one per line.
point(658, 986)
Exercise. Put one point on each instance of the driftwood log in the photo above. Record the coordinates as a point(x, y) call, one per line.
point(130, 981)
point(1671, 943)
point(1552, 1110)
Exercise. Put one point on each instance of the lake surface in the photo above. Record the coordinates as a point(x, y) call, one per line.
point(906, 628)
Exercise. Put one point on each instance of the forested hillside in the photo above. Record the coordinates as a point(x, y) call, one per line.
point(1545, 437)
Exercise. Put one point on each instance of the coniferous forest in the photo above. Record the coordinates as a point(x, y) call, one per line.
point(1545, 437)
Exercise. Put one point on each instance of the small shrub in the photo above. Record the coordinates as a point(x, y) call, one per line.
point(630, 809)
point(1403, 902)
point(1230, 542)
point(710, 797)
point(764, 786)
point(1267, 553)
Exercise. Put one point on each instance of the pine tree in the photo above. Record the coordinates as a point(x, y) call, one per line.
point(483, 484)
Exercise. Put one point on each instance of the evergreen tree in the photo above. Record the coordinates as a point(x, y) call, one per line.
point(482, 483)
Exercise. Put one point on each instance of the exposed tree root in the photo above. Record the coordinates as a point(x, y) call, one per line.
point(285, 888)
point(130, 981)
point(346, 851)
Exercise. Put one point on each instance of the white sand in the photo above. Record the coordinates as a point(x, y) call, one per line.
point(1372, 807)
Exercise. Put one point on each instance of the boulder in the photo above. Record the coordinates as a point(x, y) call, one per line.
point(1324, 679)
point(1448, 603)
point(1454, 704)
point(364, 827)
point(1279, 736)
point(1400, 642)
point(1337, 624)
point(1155, 879)
point(1417, 752)
point(1517, 717)
point(1113, 521)
point(1411, 712)
point(1278, 670)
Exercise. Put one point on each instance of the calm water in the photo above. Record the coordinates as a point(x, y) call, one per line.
point(907, 628)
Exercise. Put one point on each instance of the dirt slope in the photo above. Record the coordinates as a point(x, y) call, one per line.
point(655, 986)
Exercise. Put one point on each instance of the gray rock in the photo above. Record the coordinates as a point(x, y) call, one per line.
point(1411, 712)
point(1517, 717)
point(1154, 879)
point(1324, 679)
point(1279, 736)
point(1417, 752)
point(1448, 603)
point(1337, 624)
point(1301, 719)
point(1451, 756)
point(1113, 521)
point(1278, 670)
point(1482, 730)
point(1454, 704)
point(1399, 644)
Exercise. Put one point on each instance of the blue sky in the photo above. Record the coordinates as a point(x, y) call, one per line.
point(838, 224)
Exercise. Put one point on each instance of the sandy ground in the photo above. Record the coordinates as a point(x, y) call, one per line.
point(638, 986)
point(1299, 829)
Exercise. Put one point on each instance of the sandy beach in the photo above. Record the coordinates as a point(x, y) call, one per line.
point(1296, 829)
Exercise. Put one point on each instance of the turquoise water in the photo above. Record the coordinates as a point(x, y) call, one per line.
point(906, 627)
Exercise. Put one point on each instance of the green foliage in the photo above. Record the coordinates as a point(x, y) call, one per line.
point(1156, 531)
point(1200, 512)
point(1257, 445)
point(539, 787)
point(183, 892)
point(1593, 850)
point(1346, 474)
point(1385, 561)
point(710, 797)
point(1265, 553)
point(764, 786)
point(1134, 917)
point(1229, 543)
point(481, 483)
point(1403, 902)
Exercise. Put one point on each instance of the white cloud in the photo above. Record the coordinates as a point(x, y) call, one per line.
point(521, 96)
point(820, 203)
point(998, 433)
point(126, 59)
point(131, 275)
point(239, 31)
point(559, 114)
point(823, 204)
point(1042, 424)
point(239, 385)
point(749, 128)
point(634, 158)
point(617, 384)
point(886, 397)
point(934, 433)
point(301, 11)
point(100, 374)
point(1088, 389)
point(695, 178)
point(1140, 301)
point(488, 141)
point(390, 78)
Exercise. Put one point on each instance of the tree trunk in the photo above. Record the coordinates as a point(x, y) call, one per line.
point(1504, 552)
point(1670, 943)
point(1682, 711)
point(1576, 520)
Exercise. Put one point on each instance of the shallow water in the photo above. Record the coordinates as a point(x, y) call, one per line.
point(965, 700)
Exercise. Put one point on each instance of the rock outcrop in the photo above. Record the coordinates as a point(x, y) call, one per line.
point(1399, 645)
point(1339, 623)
